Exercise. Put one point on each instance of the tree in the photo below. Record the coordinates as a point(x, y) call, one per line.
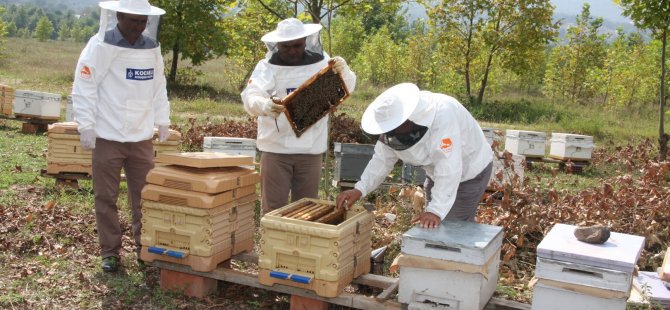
point(483, 33)
point(191, 29)
point(654, 15)
point(571, 64)
point(3, 31)
point(44, 29)
point(63, 31)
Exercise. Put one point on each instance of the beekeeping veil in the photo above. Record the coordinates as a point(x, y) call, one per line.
point(292, 29)
point(138, 7)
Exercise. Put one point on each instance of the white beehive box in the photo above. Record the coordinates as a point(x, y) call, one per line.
point(502, 174)
point(228, 145)
point(490, 134)
point(528, 143)
point(37, 104)
point(571, 146)
point(546, 297)
point(69, 112)
point(454, 266)
point(591, 276)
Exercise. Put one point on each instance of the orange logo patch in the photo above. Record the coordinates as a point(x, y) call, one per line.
point(446, 145)
point(85, 72)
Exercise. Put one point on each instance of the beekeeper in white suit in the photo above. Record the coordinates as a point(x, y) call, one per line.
point(119, 96)
point(433, 131)
point(289, 163)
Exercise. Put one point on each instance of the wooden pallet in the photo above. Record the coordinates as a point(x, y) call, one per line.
point(380, 301)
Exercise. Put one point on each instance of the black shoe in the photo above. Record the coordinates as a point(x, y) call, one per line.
point(110, 264)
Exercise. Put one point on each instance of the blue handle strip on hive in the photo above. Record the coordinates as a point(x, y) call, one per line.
point(162, 251)
point(292, 277)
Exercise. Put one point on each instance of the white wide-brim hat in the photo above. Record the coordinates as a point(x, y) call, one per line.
point(290, 29)
point(390, 109)
point(138, 7)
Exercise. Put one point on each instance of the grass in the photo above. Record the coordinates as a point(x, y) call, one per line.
point(214, 94)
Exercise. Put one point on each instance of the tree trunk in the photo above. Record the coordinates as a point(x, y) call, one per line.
point(468, 92)
point(482, 88)
point(175, 59)
point(662, 136)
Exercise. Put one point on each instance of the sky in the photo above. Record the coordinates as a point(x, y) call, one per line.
point(599, 8)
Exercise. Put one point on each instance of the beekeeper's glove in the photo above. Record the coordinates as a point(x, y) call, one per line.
point(163, 133)
point(87, 139)
point(270, 108)
point(339, 64)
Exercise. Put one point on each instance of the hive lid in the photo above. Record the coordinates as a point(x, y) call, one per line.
point(620, 252)
point(657, 291)
point(69, 128)
point(525, 134)
point(557, 136)
point(204, 159)
point(458, 241)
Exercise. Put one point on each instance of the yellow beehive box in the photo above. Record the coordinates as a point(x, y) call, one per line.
point(184, 198)
point(304, 245)
point(191, 231)
point(204, 180)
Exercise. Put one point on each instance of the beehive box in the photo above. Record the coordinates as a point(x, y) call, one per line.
point(314, 99)
point(65, 154)
point(7, 94)
point(37, 104)
point(527, 143)
point(191, 199)
point(571, 146)
point(413, 174)
point(454, 266)
point(505, 170)
point(192, 231)
point(69, 110)
point(298, 251)
point(230, 145)
point(171, 145)
point(591, 276)
point(203, 180)
point(491, 135)
point(351, 160)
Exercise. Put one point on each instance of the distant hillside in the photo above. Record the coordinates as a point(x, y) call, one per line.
point(75, 5)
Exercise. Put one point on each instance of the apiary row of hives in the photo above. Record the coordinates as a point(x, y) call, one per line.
point(198, 215)
point(65, 154)
point(7, 94)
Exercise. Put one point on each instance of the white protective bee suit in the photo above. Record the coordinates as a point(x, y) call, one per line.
point(453, 149)
point(119, 94)
point(275, 137)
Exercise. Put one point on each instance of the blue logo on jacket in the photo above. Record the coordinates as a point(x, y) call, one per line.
point(139, 74)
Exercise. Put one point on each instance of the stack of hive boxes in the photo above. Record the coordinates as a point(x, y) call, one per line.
point(7, 94)
point(65, 154)
point(198, 210)
point(454, 266)
point(312, 245)
point(587, 276)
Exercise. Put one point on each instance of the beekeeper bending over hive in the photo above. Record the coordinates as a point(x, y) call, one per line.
point(433, 131)
point(119, 95)
point(288, 163)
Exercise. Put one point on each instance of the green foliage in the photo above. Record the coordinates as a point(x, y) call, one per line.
point(44, 29)
point(378, 60)
point(571, 65)
point(520, 111)
point(63, 32)
point(347, 35)
point(483, 34)
point(192, 30)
